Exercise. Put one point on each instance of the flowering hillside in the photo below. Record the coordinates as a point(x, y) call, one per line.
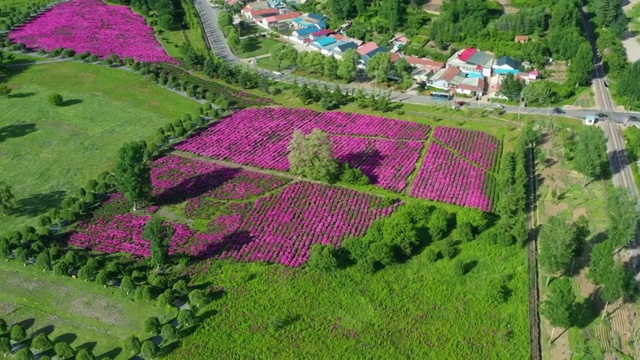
point(93, 26)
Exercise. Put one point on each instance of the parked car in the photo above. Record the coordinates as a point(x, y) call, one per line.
point(632, 118)
point(601, 115)
point(558, 111)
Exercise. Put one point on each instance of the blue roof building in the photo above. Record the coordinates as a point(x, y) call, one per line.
point(507, 65)
point(323, 42)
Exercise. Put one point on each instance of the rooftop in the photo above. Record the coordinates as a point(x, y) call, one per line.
point(283, 17)
point(367, 48)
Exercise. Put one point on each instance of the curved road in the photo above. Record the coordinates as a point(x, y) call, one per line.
point(218, 44)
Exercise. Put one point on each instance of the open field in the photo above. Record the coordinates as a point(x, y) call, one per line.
point(74, 311)
point(54, 150)
point(256, 46)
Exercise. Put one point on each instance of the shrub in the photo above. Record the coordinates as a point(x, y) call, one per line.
point(3, 326)
point(132, 346)
point(180, 287)
point(458, 267)
point(353, 175)
point(169, 333)
point(438, 224)
point(197, 298)
point(55, 99)
point(322, 258)
point(24, 354)
point(431, 255)
point(41, 342)
point(18, 333)
point(144, 293)
point(5, 346)
point(85, 354)
point(186, 318)
point(449, 251)
point(149, 350)
point(63, 350)
point(152, 325)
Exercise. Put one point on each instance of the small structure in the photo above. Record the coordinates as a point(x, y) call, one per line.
point(590, 120)
point(346, 38)
point(322, 43)
point(257, 5)
point(279, 22)
point(257, 15)
point(398, 42)
point(320, 34)
point(471, 86)
point(426, 64)
point(507, 65)
point(472, 60)
point(368, 50)
point(445, 79)
point(341, 47)
point(521, 39)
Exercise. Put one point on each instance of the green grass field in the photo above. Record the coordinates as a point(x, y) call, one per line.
point(256, 46)
point(74, 311)
point(414, 310)
point(47, 152)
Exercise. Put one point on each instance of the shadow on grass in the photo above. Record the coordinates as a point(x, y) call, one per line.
point(21, 95)
point(39, 203)
point(71, 102)
point(66, 337)
point(16, 131)
point(111, 354)
point(47, 330)
point(28, 323)
point(90, 345)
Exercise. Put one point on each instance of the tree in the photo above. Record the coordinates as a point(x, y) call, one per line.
point(540, 93)
point(18, 333)
point(3, 326)
point(186, 318)
point(63, 350)
point(581, 66)
point(511, 87)
point(607, 11)
point(438, 224)
point(558, 243)
point(5, 346)
point(197, 298)
point(458, 267)
point(169, 333)
point(61, 269)
point(627, 84)
point(322, 258)
point(24, 354)
point(41, 342)
point(347, 65)
point(623, 216)
point(378, 66)
point(102, 279)
point(132, 345)
point(85, 354)
point(7, 200)
point(590, 152)
point(149, 350)
point(618, 283)
point(158, 235)
point(330, 67)
point(312, 156)
point(152, 325)
point(43, 262)
point(127, 285)
point(225, 19)
point(559, 307)
point(132, 174)
point(180, 287)
point(283, 55)
point(5, 91)
point(55, 99)
point(233, 39)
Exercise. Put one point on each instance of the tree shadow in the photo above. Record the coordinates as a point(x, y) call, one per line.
point(169, 348)
point(111, 354)
point(229, 243)
point(27, 323)
point(618, 160)
point(16, 131)
point(582, 261)
point(21, 95)
point(66, 337)
point(470, 266)
point(367, 161)
point(47, 330)
point(196, 186)
point(584, 313)
point(71, 102)
point(39, 203)
point(90, 345)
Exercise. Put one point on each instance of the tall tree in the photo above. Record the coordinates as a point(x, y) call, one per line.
point(132, 346)
point(623, 216)
point(559, 307)
point(607, 11)
point(393, 11)
point(558, 243)
point(347, 65)
point(7, 200)
point(379, 66)
point(149, 350)
point(158, 235)
point(312, 156)
point(627, 85)
point(590, 152)
point(132, 174)
point(581, 66)
point(330, 67)
point(283, 55)
point(511, 87)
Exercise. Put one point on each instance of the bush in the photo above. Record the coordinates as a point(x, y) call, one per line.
point(458, 267)
point(431, 255)
point(18, 333)
point(353, 175)
point(149, 350)
point(438, 224)
point(55, 99)
point(63, 350)
point(449, 251)
point(132, 346)
point(24, 354)
point(322, 258)
point(152, 326)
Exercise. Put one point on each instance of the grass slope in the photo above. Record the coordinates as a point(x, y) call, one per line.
point(80, 313)
point(46, 151)
point(413, 310)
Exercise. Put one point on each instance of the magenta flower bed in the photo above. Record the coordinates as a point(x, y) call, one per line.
point(477, 146)
point(91, 25)
point(278, 228)
point(176, 179)
point(445, 177)
point(123, 234)
point(260, 137)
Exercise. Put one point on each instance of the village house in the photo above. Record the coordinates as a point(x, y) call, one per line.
point(521, 39)
point(472, 61)
point(507, 65)
point(398, 42)
point(471, 87)
point(258, 15)
point(447, 78)
point(368, 50)
point(279, 22)
point(257, 5)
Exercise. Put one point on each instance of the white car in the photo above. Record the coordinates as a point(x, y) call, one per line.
point(277, 73)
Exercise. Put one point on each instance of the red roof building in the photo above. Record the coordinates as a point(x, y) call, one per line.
point(322, 33)
point(282, 17)
point(427, 64)
point(466, 54)
point(367, 48)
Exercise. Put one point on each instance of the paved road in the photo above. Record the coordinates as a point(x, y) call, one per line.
point(217, 43)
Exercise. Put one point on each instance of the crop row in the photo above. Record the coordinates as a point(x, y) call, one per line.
point(93, 26)
point(478, 147)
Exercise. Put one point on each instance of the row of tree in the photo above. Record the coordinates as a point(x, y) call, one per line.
point(40, 343)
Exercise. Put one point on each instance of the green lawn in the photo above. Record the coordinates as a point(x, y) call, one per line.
point(256, 46)
point(416, 310)
point(80, 313)
point(47, 152)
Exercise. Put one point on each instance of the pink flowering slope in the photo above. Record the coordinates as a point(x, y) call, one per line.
point(445, 177)
point(278, 228)
point(479, 147)
point(91, 25)
point(175, 179)
point(260, 137)
point(123, 233)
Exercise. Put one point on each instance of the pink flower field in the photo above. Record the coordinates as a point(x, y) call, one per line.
point(91, 25)
point(480, 148)
point(384, 149)
point(278, 228)
point(446, 177)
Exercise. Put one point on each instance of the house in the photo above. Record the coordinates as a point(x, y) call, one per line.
point(521, 39)
point(310, 19)
point(277, 4)
point(233, 2)
point(257, 5)
point(420, 75)
point(257, 15)
point(342, 47)
point(368, 50)
point(446, 78)
point(322, 43)
point(320, 34)
point(589, 120)
point(427, 64)
point(471, 87)
point(305, 33)
point(472, 60)
point(507, 65)
point(398, 41)
point(346, 38)
point(279, 21)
